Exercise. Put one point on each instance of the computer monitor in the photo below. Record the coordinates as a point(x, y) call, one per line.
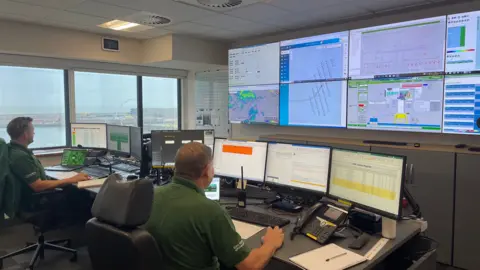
point(254, 65)
point(411, 48)
point(298, 166)
point(463, 43)
point(212, 192)
point(73, 157)
point(370, 181)
point(136, 142)
point(89, 135)
point(229, 156)
point(253, 104)
point(165, 144)
point(118, 140)
point(314, 104)
point(396, 104)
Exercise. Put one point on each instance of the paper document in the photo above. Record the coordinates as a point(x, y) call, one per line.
point(91, 183)
point(329, 257)
point(246, 230)
point(62, 175)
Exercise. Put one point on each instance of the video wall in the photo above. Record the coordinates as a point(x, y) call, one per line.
point(420, 76)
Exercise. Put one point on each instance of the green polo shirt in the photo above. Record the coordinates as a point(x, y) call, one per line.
point(27, 168)
point(193, 232)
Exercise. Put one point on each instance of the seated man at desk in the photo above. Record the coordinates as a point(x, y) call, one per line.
point(26, 167)
point(194, 232)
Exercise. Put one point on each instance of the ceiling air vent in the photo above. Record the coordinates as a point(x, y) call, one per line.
point(149, 19)
point(218, 4)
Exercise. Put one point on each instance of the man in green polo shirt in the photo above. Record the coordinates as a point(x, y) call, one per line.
point(195, 233)
point(25, 166)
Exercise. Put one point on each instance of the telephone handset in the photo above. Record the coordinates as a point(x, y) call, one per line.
point(320, 222)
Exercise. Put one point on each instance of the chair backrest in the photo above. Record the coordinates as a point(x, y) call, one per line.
point(9, 187)
point(114, 239)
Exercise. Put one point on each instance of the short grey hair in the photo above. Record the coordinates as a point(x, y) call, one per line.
point(191, 160)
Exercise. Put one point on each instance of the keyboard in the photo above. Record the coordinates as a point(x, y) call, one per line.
point(61, 168)
point(97, 172)
point(125, 167)
point(257, 218)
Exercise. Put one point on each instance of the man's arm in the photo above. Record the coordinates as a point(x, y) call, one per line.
point(259, 257)
point(42, 185)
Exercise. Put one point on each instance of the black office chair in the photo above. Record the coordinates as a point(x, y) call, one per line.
point(114, 238)
point(43, 219)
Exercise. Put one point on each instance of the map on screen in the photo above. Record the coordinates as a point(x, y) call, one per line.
point(314, 104)
point(253, 104)
point(406, 104)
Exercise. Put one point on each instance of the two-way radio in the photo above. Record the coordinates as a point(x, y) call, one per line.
point(242, 193)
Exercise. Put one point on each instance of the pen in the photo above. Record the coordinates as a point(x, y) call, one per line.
point(336, 256)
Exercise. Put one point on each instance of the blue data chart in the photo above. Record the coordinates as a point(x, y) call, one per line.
point(462, 104)
point(317, 58)
point(321, 104)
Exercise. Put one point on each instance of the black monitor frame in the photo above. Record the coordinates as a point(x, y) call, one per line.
point(116, 152)
point(154, 145)
point(132, 130)
point(86, 147)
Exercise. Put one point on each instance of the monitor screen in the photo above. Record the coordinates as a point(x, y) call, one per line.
point(397, 104)
point(89, 135)
point(118, 139)
point(372, 181)
point(320, 104)
point(212, 192)
point(253, 104)
point(298, 166)
point(463, 42)
point(412, 48)
point(254, 65)
point(316, 58)
point(165, 144)
point(461, 108)
point(229, 156)
point(136, 142)
point(73, 157)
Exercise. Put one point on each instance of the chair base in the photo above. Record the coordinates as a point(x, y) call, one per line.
point(40, 248)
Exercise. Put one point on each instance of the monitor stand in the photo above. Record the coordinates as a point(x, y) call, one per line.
point(389, 228)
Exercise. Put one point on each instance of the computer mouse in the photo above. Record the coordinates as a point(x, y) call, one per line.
point(132, 177)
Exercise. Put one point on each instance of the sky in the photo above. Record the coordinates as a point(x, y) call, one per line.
point(32, 90)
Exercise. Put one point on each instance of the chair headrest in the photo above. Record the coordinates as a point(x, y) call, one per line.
point(124, 204)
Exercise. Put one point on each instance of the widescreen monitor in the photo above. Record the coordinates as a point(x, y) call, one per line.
point(89, 135)
point(463, 43)
point(253, 104)
point(118, 139)
point(136, 142)
point(165, 144)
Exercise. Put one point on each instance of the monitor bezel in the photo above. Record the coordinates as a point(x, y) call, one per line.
point(291, 188)
point(152, 144)
point(84, 147)
point(141, 142)
point(366, 207)
point(116, 152)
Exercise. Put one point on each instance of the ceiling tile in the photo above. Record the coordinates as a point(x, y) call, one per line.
point(76, 18)
point(301, 5)
point(25, 10)
point(227, 22)
point(193, 28)
point(58, 4)
point(223, 34)
point(378, 5)
point(338, 12)
point(258, 12)
point(156, 32)
point(102, 10)
point(13, 17)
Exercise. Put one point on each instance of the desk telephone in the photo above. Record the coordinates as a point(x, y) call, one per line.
point(320, 222)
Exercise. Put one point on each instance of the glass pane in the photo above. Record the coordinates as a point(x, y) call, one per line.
point(106, 98)
point(160, 104)
point(37, 93)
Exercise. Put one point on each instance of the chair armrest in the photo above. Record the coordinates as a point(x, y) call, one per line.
point(47, 192)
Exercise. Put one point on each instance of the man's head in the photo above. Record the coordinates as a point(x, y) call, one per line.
point(194, 161)
point(21, 130)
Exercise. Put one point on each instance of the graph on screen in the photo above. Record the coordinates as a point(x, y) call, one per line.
point(254, 65)
point(316, 58)
point(461, 109)
point(314, 104)
point(463, 41)
point(399, 104)
point(407, 48)
point(253, 104)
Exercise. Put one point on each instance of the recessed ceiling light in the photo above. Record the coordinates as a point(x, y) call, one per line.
point(118, 25)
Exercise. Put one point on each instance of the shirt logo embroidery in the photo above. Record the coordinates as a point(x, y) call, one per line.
point(238, 246)
point(30, 174)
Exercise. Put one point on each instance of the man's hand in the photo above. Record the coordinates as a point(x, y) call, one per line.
point(274, 237)
point(79, 177)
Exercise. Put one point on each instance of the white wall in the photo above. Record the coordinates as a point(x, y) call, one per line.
point(253, 131)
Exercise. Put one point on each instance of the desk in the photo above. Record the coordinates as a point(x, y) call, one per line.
point(95, 190)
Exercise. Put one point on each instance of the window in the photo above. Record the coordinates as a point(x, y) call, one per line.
point(37, 93)
point(160, 104)
point(106, 98)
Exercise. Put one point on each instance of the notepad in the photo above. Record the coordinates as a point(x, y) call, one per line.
point(330, 257)
point(91, 183)
point(246, 230)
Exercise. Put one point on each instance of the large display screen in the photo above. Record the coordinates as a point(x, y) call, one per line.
point(410, 48)
point(254, 65)
point(253, 104)
point(316, 58)
point(398, 104)
point(320, 104)
point(462, 109)
point(463, 41)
